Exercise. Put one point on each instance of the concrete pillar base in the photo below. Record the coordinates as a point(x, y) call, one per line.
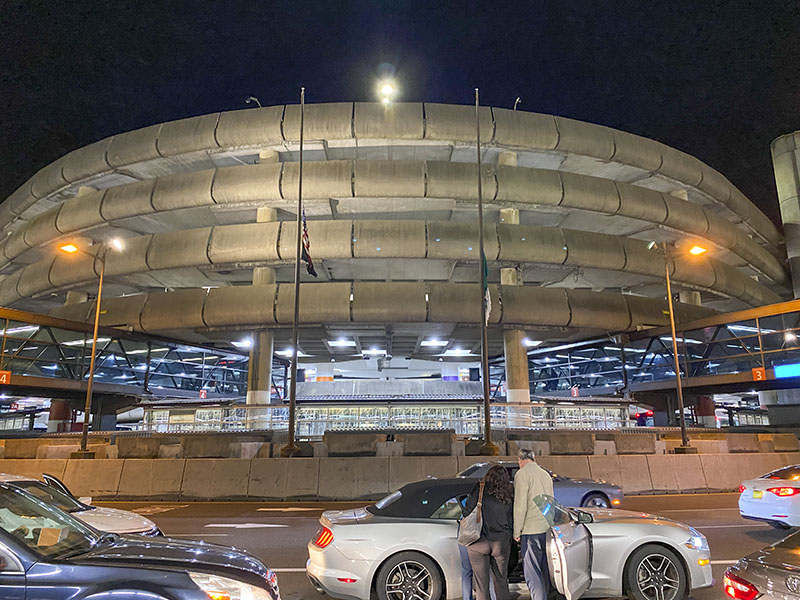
point(81, 454)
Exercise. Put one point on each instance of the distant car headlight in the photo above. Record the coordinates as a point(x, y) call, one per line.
point(697, 542)
point(222, 588)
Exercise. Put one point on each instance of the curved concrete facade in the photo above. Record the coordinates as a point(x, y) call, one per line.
point(391, 195)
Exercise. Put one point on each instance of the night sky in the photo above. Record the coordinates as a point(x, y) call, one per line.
point(717, 80)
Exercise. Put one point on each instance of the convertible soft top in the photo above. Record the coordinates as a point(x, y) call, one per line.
point(420, 499)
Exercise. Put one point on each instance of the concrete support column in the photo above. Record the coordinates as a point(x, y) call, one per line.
point(59, 419)
point(705, 411)
point(786, 164)
point(259, 372)
point(690, 297)
point(518, 388)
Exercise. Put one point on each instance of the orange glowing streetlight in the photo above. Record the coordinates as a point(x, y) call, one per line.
point(101, 256)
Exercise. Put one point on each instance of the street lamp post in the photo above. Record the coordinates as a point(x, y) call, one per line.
point(488, 448)
point(99, 256)
point(684, 448)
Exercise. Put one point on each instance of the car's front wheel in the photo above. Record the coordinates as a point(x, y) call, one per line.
point(655, 573)
point(408, 576)
point(596, 500)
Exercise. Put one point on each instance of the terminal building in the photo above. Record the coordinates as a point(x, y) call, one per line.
point(206, 210)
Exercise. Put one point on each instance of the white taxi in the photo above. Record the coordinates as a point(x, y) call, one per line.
point(773, 498)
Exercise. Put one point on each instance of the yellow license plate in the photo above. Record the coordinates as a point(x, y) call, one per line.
point(758, 494)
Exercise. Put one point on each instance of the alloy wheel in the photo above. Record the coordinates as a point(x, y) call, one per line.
point(658, 577)
point(409, 580)
point(597, 501)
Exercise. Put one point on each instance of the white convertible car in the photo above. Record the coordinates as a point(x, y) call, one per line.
point(55, 493)
point(404, 548)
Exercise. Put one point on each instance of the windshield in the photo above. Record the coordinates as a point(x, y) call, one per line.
point(791, 473)
point(50, 495)
point(789, 543)
point(44, 530)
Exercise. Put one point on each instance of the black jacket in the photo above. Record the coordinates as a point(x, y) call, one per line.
point(498, 518)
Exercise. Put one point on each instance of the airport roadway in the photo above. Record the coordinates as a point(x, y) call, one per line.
point(278, 532)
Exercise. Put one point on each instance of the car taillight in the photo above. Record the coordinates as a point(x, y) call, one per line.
point(784, 491)
point(742, 489)
point(324, 538)
point(738, 588)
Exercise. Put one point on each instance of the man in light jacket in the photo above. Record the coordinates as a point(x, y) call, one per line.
point(530, 526)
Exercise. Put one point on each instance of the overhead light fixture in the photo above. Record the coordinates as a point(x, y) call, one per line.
point(790, 336)
point(457, 352)
point(374, 352)
point(69, 248)
point(531, 343)
point(245, 343)
point(697, 250)
point(435, 343)
point(116, 243)
point(342, 343)
point(288, 353)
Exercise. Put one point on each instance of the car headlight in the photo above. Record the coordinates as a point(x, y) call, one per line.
point(222, 588)
point(697, 542)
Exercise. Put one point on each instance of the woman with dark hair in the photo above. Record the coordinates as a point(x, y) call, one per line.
point(492, 549)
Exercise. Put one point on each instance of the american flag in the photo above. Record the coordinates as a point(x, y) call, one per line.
point(306, 248)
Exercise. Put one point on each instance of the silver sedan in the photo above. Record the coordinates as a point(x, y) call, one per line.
point(404, 548)
point(569, 492)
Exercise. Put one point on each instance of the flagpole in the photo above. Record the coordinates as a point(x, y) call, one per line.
point(291, 448)
point(488, 448)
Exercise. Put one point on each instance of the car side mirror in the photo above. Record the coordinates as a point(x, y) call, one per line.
point(85, 500)
point(584, 517)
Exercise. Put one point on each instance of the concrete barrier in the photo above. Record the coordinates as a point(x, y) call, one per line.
point(369, 478)
point(784, 442)
point(641, 443)
point(435, 443)
point(572, 443)
point(743, 442)
point(346, 443)
point(96, 478)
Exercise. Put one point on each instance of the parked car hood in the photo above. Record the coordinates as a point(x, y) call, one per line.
point(168, 553)
point(114, 520)
point(607, 515)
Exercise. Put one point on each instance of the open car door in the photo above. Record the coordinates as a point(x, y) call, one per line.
point(569, 549)
point(56, 483)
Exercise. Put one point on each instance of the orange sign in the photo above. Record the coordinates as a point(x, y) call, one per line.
point(5, 377)
point(759, 374)
point(203, 394)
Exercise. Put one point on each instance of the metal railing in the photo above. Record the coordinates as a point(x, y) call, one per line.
point(314, 420)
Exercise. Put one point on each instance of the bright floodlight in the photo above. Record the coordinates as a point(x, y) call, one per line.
point(789, 336)
point(697, 250)
point(116, 243)
point(69, 248)
point(387, 90)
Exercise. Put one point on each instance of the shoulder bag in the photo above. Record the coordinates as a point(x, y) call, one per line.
point(469, 530)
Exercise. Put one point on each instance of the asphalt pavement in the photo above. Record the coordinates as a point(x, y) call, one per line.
point(278, 532)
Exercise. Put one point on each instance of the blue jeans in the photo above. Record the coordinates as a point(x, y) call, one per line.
point(533, 551)
point(466, 575)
